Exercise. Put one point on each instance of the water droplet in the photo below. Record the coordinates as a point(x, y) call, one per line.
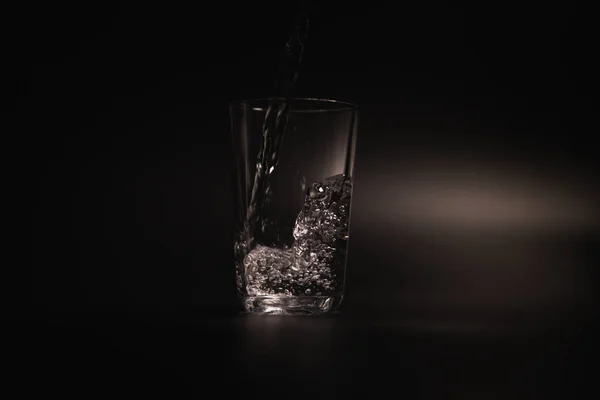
point(307, 291)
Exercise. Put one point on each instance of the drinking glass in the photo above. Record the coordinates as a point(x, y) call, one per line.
point(293, 182)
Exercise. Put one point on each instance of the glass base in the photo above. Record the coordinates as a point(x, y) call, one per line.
point(291, 305)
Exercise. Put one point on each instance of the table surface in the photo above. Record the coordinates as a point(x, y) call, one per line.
point(345, 354)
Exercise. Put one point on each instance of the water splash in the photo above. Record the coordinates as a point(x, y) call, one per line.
point(314, 264)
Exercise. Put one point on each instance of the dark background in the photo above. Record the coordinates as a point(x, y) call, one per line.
point(473, 264)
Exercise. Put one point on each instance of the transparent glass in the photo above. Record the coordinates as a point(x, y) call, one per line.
point(293, 194)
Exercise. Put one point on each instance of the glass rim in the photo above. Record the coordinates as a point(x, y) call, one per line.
point(338, 105)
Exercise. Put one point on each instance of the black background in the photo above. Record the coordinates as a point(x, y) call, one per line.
point(472, 269)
